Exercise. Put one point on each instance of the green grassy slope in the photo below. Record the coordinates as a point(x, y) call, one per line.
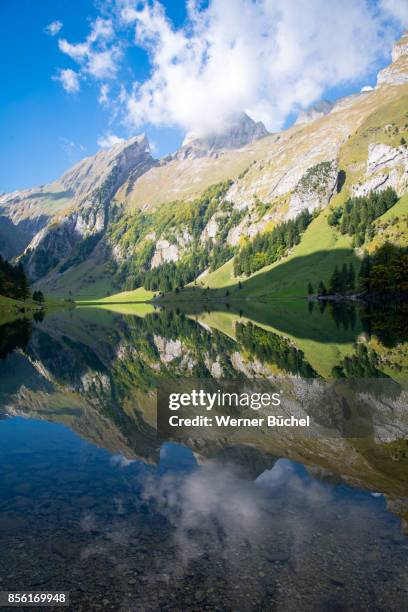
point(392, 226)
point(323, 247)
point(314, 259)
point(137, 295)
point(398, 210)
point(88, 280)
point(323, 344)
point(378, 117)
point(11, 309)
point(139, 309)
point(6, 302)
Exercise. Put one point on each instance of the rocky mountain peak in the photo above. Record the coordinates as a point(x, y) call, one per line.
point(241, 131)
point(80, 200)
point(91, 172)
point(317, 110)
point(397, 72)
point(400, 47)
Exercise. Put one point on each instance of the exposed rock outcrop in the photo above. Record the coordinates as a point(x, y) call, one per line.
point(317, 110)
point(94, 181)
point(397, 72)
point(168, 349)
point(165, 252)
point(400, 48)
point(210, 230)
point(386, 167)
point(315, 188)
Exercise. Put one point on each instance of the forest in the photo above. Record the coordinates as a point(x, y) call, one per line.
point(363, 364)
point(135, 234)
point(357, 216)
point(384, 272)
point(13, 281)
point(268, 247)
point(271, 348)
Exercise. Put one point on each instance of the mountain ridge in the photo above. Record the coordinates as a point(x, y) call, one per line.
point(116, 216)
point(240, 132)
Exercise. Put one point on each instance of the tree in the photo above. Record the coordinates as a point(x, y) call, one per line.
point(364, 274)
point(343, 278)
point(268, 247)
point(310, 289)
point(335, 281)
point(23, 286)
point(334, 216)
point(385, 271)
point(41, 297)
point(351, 278)
point(321, 290)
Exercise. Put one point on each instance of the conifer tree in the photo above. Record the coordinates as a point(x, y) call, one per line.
point(321, 290)
point(351, 278)
point(335, 281)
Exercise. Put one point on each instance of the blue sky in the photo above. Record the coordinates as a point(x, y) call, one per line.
point(44, 130)
point(185, 80)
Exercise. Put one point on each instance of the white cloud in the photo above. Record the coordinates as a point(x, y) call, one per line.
point(268, 58)
point(102, 65)
point(99, 64)
point(397, 9)
point(128, 14)
point(108, 140)
point(53, 28)
point(69, 80)
point(121, 461)
point(102, 29)
point(104, 94)
point(76, 52)
point(93, 55)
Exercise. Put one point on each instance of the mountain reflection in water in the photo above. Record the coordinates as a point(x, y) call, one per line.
point(93, 502)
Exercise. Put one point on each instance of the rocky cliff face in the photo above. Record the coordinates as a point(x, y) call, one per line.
point(386, 167)
point(30, 210)
point(108, 169)
point(314, 112)
point(94, 181)
point(400, 48)
point(397, 72)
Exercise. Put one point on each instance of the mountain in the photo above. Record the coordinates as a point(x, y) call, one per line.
point(97, 373)
point(396, 73)
point(240, 132)
point(31, 210)
point(314, 112)
point(54, 218)
point(121, 219)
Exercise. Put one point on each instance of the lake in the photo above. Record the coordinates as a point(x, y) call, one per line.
point(94, 501)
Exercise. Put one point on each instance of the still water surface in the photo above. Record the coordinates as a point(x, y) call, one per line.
point(93, 502)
